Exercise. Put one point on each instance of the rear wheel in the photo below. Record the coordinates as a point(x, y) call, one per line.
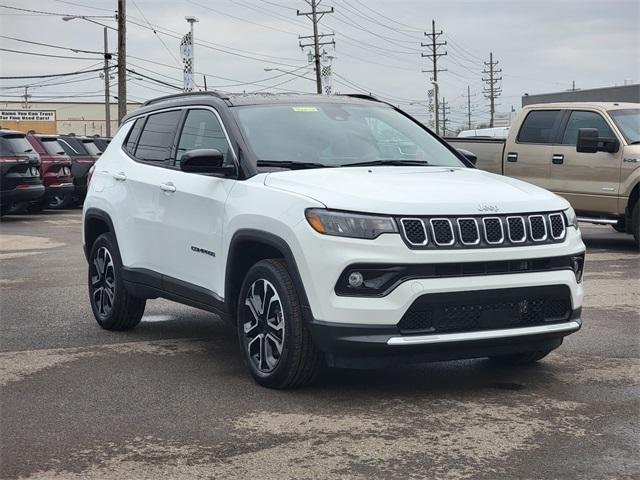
point(113, 307)
point(523, 358)
point(276, 344)
point(58, 202)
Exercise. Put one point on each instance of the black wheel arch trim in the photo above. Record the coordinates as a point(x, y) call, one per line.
point(273, 241)
point(96, 213)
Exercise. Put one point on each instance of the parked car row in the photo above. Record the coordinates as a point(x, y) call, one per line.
point(41, 171)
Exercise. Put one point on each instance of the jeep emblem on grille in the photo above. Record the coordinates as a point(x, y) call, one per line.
point(486, 207)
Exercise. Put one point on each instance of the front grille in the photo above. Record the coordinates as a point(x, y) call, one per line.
point(538, 228)
point(487, 310)
point(556, 220)
point(483, 231)
point(442, 231)
point(414, 231)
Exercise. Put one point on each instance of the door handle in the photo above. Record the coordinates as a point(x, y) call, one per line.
point(120, 176)
point(557, 159)
point(167, 187)
point(512, 157)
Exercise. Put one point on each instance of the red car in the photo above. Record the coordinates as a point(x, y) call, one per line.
point(55, 170)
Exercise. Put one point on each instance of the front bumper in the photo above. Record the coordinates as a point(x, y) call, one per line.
point(374, 346)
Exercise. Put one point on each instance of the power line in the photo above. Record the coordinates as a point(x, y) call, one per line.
point(76, 50)
point(52, 75)
point(155, 32)
point(23, 52)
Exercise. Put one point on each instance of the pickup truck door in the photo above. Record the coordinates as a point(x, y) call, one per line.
point(526, 156)
point(589, 181)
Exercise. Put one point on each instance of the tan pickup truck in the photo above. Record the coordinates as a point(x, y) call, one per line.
point(588, 153)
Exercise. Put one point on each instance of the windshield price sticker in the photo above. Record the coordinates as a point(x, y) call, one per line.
point(305, 109)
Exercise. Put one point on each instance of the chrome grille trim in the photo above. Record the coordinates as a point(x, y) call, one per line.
point(475, 222)
point(424, 230)
point(524, 230)
point(544, 224)
point(484, 225)
point(564, 226)
point(434, 236)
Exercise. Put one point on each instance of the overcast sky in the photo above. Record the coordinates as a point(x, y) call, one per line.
point(542, 46)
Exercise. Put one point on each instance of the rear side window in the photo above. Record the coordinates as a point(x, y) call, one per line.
point(538, 126)
point(202, 130)
point(158, 134)
point(91, 147)
point(582, 119)
point(130, 145)
point(51, 146)
point(72, 146)
point(14, 145)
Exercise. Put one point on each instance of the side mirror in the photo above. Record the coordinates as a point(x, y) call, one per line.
point(590, 142)
point(205, 160)
point(472, 157)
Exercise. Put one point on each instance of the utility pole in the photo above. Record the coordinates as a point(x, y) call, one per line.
point(26, 97)
point(434, 54)
point(315, 16)
point(107, 96)
point(469, 106)
point(492, 91)
point(122, 59)
point(445, 111)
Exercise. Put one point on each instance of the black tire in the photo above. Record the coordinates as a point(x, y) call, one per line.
point(635, 223)
point(113, 307)
point(524, 358)
point(60, 202)
point(299, 361)
point(37, 206)
point(620, 227)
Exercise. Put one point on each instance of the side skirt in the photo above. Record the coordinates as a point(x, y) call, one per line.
point(144, 283)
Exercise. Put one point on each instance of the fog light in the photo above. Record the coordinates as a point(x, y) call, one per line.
point(356, 279)
point(577, 265)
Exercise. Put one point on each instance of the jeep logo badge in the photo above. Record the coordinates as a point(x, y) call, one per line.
point(486, 207)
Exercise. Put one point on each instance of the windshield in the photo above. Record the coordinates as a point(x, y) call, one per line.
point(628, 121)
point(51, 146)
point(333, 134)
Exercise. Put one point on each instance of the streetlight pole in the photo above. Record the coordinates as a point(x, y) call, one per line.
point(122, 59)
point(191, 21)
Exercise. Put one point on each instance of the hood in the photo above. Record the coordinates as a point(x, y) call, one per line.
point(416, 190)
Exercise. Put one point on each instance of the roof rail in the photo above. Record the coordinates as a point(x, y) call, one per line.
point(213, 93)
point(363, 96)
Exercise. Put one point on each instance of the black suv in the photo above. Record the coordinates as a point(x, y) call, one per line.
point(84, 153)
point(19, 165)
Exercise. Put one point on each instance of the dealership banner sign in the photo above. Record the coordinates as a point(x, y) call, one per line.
point(28, 115)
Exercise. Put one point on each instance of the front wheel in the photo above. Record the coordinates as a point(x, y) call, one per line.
point(275, 342)
point(113, 307)
point(635, 219)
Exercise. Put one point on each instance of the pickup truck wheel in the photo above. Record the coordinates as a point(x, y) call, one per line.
point(113, 307)
point(635, 219)
point(523, 358)
point(276, 344)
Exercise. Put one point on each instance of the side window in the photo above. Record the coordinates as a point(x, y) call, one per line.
point(132, 138)
point(156, 139)
point(538, 127)
point(581, 119)
point(202, 130)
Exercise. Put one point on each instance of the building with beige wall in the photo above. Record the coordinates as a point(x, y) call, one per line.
point(82, 118)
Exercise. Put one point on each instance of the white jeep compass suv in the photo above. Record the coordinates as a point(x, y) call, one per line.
point(329, 230)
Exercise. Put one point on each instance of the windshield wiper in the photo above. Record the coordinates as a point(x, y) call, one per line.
point(291, 165)
point(373, 163)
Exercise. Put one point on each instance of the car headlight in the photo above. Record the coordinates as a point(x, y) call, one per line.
point(352, 225)
point(572, 219)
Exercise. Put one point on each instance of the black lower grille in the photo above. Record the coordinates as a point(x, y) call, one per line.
point(487, 310)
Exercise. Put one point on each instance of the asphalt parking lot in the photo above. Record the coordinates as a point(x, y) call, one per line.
point(171, 399)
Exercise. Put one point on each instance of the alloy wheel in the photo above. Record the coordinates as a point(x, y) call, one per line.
point(263, 326)
point(103, 282)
